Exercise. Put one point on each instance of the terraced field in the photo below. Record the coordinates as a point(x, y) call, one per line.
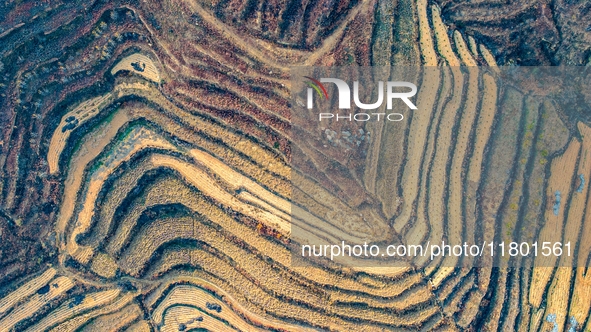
point(153, 174)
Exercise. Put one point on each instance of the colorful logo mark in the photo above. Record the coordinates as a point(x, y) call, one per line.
point(317, 86)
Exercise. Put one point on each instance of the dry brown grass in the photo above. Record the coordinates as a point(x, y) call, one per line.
point(417, 139)
point(179, 314)
point(559, 293)
point(202, 181)
point(426, 40)
point(150, 71)
point(483, 127)
point(455, 218)
point(438, 176)
point(104, 266)
point(232, 172)
point(194, 296)
point(278, 253)
point(137, 139)
point(115, 321)
point(76, 322)
point(26, 290)
point(581, 296)
point(141, 326)
point(83, 112)
point(488, 57)
point(35, 303)
point(65, 312)
point(473, 46)
point(89, 149)
point(462, 48)
point(561, 173)
point(443, 43)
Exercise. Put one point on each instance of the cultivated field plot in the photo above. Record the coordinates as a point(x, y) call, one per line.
point(156, 178)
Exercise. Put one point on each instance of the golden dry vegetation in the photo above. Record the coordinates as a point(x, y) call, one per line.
point(178, 193)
